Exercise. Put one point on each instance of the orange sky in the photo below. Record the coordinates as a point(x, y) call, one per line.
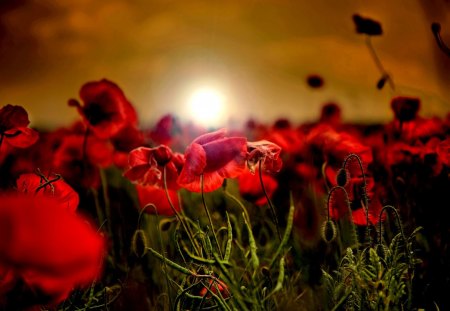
point(257, 52)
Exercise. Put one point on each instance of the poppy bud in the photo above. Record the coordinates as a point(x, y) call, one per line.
point(139, 243)
point(164, 224)
point(342, 177)
point(163, 155)
point(367, 26)
point(328, 231)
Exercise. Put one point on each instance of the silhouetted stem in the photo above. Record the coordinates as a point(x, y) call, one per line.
point(364, 188)
point(378, 63)
point(436, 29)
point(177, 215)
point(106, 201)
point(209, 217)
point(271, 207)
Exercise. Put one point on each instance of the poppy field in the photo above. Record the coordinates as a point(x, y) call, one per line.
point(106, 214)
point(111, 214)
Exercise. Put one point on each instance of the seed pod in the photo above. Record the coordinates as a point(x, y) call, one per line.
point(342, 177)
point(328, 231)
point(139, 243)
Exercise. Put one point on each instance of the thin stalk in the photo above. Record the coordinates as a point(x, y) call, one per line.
point(177, 215)
point(436, 29)
point(378, 63)
point(271, 207)
point(162, 247)
point(209, 217)
point(107, 204)
point(365, 197)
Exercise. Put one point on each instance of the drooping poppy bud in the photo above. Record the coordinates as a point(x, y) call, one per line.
point(367, 26)
point(342, 177)
point(139, 243)
point(328, 231)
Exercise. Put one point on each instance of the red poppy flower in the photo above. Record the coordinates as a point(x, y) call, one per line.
point(105, 108)
point(367, 26)
point(266, 152)
point(157, 196)
point(127, 139)
point(214, 156)
point(405, 108)
point(251, 190)
point(35, 185)
point(146, 166)
point(14, 127)
point(46, 250)
point(78, 160)
point(331, 114)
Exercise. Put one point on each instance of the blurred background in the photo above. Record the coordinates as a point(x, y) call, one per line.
point(251, 57)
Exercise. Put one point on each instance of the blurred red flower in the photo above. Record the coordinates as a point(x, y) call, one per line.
point(78, 158)
point(105, 108)
point(157, 196)
point(214, 156)
point(46, 251)
point(35, 185)
point(251, 190)
point(214, 286)
point(14, 127)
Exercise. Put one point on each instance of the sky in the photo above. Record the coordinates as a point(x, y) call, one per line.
point(256, 53)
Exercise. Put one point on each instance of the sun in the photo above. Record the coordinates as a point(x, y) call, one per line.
point(206, 106)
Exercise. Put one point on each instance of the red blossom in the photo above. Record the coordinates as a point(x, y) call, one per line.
point(78, 159)
point(157, 196)
point(45, 251)
point(405, 108)
point(14, 127)
point(266, 152)
point(146, 166)
point(214, 156)
point(127, 139)
point(251, 190)
point(53, 186)
point(105, 108)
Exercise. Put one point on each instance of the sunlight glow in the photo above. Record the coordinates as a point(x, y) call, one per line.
point(206, 106)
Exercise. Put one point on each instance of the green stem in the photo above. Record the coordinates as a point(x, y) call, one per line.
point(106, 201)
point(271, 207)
point(177, 215)
point(209, 217)
point(162, 247)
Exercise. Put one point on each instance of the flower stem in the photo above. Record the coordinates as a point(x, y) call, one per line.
point(436, 29)
point(162, 247)
point(177, 215)
point(209, 217)
point(364, 188)
point(378, 63)
point(271, 207)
